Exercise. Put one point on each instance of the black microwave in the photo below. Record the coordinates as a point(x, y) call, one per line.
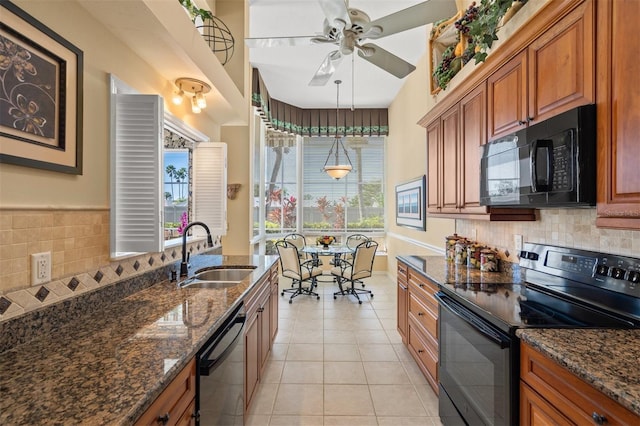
point(548, 164)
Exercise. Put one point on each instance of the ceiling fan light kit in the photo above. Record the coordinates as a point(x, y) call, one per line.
point(338, 169)
point(348, 28)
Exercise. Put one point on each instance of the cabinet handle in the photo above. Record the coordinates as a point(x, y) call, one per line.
point(529, 119)
point(421, 285)
point(165, 419)
point(420, 314)
point(260, 309)
point(598, 418)
point(420, 351)
point(522, 123)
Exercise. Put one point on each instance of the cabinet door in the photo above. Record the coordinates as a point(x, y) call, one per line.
point(265, 329)
point(536, 411)
point(618, 93)
point(561, 65)
point(434, 149)
point(403, 295)
point(507, 97)
point(273, 323)
point(450, 168)
point(251, 351)
point(473, 134)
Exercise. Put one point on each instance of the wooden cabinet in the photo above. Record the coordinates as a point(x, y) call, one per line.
point(618, 123)
point(176, 404)
point(403, 301)
point(551, 394)
point(553, 74)
point(454, 140)
point(262, 324)
point(422, 325)
point(507, 97)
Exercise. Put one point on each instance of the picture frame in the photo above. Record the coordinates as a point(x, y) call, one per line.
point(411, 203)
point(41, 104)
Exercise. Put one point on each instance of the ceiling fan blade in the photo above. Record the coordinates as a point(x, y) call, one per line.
point(281, 41)
point(411, 17)
point(336, 13)
point(327, 68)
point(386, 60)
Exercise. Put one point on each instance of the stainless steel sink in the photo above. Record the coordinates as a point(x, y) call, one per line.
point(194, 283)
point(217, 277)
point(225, 274)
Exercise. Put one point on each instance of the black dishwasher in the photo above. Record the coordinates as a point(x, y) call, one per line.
point(220, 379)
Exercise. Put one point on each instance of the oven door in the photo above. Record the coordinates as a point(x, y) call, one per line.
point(478, 369)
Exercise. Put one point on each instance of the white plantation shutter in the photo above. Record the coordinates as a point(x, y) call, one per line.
point(210, 187)
point(136, 179)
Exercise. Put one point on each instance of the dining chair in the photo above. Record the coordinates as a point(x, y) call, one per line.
point(300, 271)
point(353, 241)
point(355, 270)
point(300, 242)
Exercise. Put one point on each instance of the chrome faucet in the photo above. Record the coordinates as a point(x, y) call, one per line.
point(184, 264)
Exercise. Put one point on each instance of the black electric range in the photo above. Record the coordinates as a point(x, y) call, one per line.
point(560, 287)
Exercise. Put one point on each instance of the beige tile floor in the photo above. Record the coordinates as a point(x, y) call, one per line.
point(335, 362)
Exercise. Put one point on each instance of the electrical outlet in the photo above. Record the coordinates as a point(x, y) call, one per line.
point(40, 268)
point(517, 242)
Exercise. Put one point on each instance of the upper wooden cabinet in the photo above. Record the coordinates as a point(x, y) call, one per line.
point(618, 108)
point(454, 140)
point(553, 74)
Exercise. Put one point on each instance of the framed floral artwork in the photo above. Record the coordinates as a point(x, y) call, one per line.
point(410, 203)
point(40, 95)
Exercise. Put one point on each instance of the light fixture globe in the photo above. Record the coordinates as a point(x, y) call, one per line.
point(337, 169)
point(337, 172)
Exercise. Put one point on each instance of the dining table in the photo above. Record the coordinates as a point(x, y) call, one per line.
point(335, 250)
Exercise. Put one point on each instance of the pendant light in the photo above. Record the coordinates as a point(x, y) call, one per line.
point(196, 90)
point(337, 169)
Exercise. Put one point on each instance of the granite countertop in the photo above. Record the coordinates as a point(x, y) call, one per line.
point(108, 366)
point(606, 359)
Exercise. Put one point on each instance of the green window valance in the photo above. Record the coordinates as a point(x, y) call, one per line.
point(316, 122)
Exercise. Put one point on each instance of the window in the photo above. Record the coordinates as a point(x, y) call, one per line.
point(298, 196)
point(353, 203)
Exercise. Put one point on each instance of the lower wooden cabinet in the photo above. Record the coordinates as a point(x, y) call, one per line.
point(261, 327)
point(551, 394)
point(418, 313)
point(403, 301)
point(176, 405)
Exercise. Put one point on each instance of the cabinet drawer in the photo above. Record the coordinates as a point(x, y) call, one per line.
point(402, 273)
point(423, 315)
point(425, 351)
point(175, 400)
point(570, 395)
point(423, 287)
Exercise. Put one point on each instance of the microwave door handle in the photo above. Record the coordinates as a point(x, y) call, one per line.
point(533, 163)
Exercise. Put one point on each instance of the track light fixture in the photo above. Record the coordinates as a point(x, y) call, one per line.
point(195, 87)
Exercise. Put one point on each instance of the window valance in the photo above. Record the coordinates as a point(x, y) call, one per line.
point(316, 122)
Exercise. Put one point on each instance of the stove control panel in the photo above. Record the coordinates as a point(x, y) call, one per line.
point(613, 272)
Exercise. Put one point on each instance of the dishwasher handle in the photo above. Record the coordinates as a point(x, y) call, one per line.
point(472, 320)
point(207, 365)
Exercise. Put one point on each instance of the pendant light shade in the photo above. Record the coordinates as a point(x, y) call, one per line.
point(334, 166)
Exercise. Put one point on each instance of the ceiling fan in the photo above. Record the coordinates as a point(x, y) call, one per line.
point(348, 28)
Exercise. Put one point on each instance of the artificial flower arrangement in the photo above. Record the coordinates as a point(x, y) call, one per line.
point(325, 240)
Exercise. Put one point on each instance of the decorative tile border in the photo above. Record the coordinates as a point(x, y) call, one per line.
point(23, 301)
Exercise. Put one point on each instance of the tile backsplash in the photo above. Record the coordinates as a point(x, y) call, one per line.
point(79, 244)
point(562, 227)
